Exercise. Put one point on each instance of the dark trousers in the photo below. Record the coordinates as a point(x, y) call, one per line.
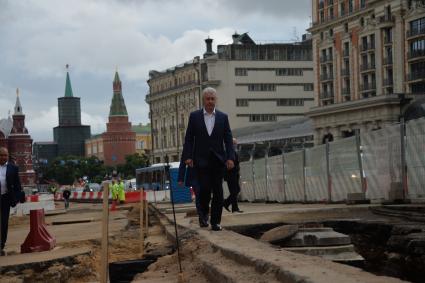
point(211, 182)
point(234, 190)
point(4, 219)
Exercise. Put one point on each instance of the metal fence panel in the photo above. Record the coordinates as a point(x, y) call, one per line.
point(315, 172)
point(247, 189)
point(294, 172)
point(381, 157)
point(275, 178)
point(344, 168)
point(260, 179)
point(415, 158)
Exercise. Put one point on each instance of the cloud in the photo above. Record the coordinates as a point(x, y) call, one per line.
point(95, 36)
point(41, 125)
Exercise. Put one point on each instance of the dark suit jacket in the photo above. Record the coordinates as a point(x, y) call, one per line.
point(199, 145)
point(14, 189)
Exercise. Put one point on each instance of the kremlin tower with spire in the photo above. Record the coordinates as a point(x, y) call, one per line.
point(119, 139)
point(70, 134)
point(14, 135)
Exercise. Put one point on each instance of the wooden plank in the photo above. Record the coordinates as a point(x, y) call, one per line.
point(142, 230)
point(105, 222)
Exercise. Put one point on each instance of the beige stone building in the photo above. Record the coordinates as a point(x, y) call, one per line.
point(369, 60)
point(173, 94)
point(255, 83)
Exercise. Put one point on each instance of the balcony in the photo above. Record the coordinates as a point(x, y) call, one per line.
point(324, 59)
point(368, 87)
point(388, 61)
point(417, 75)
point(415, 32)
point(345, 91)
point(368, 46)
point(388, 82)
point(386, 20)
point(345, 72)
point(367, 67)
point(346, 53)
point(326, 95)
point(326, 77)
point(416, 54)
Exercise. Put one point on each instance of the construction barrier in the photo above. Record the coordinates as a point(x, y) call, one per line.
point(130, 197)
point(377, 166)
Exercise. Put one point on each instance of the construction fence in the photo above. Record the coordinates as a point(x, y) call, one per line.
point(381, 165)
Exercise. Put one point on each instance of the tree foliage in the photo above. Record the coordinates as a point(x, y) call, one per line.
point(66, 169)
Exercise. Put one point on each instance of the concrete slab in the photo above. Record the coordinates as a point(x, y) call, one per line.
point(33, 260)
point(311, 237)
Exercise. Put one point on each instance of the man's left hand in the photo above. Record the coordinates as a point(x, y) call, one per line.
point(230, 164)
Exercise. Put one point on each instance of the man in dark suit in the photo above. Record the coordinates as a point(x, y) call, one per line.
point(232, 178)
point(208, 149)
point(11, 192)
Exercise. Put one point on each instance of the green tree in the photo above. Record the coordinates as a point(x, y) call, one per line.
point(132, 162)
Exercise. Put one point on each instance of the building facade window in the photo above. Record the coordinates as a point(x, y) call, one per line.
point(241, 72)
point(242, 103)
point(290, 102)
point(289, 72)
point(262, 118)
point(261, 87)
point(308, 87)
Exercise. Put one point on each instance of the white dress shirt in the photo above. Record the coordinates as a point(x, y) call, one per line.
point(209, 120)
point(3, 184)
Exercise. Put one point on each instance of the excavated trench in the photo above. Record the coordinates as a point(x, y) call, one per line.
point(396, 250)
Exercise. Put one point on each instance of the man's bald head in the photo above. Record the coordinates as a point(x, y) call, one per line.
point(4, 155)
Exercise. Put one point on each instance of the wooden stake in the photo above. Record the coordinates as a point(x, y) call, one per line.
point(146, 217)
point(142, 230)
point(105, 222)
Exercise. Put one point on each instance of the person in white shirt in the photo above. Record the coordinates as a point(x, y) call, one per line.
point(11, 193)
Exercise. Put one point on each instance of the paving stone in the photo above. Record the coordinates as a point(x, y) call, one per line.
point(279, 234)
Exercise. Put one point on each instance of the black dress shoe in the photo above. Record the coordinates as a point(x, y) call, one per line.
point(226, 207)
point(203, 223)
point(238, 211)
point(216, 227)
point(2, 253)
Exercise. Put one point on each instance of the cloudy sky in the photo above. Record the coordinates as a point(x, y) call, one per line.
point(39, 37)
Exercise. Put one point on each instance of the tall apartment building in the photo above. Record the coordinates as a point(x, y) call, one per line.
point(261, 83)
point(369, 59)
point(255, 83)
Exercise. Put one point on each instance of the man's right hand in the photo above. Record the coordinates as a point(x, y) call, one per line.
point(189, 162)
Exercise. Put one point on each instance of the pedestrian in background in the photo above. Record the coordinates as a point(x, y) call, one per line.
point(11, 193)
point(121, 191)
point(232, 177)
point(66, 194)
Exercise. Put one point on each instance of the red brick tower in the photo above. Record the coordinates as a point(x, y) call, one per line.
point(119, 140)
point(20, 145)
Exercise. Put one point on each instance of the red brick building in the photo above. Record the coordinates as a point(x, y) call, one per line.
point(119, 139)
point(14, 136)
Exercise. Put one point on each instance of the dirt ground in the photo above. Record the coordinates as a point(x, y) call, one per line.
point(85, 268)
